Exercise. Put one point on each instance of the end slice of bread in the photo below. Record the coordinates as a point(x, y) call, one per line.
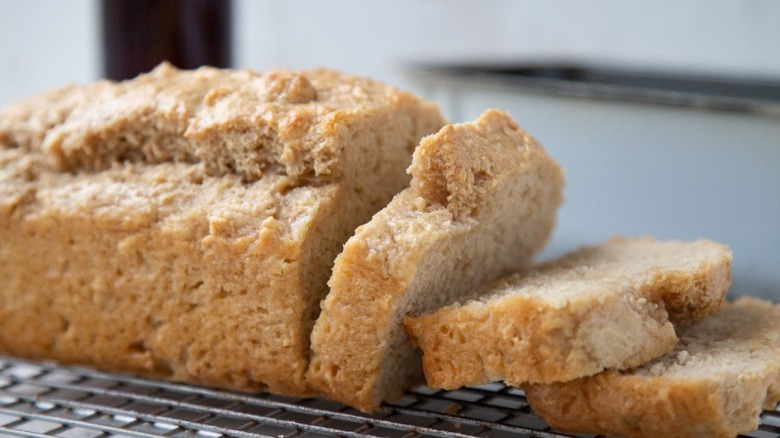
point(482, 202)
point(605, 306)
point(714, 383)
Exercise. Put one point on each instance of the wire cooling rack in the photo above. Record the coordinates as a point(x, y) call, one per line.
point(45, 400)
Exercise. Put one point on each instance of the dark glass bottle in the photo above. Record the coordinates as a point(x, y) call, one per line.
point(139, 34)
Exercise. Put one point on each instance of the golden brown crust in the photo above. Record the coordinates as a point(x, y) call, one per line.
point(636, 408)
point(714, 383)
point(233, 121)
point(599, 307)
point(183, 224)
point(138, 268)
point(482, 201)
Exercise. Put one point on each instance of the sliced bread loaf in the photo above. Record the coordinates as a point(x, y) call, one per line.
point(184, 224)
point(605, 306)
point(482, 202)
point(714, 383)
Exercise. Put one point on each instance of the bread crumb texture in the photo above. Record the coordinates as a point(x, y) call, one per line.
point(724, 370)
point(604, 306)
point(184, 223)
point(481, 203)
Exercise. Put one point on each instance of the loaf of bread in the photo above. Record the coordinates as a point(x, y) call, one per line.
point(482, 202)
point(605, 306)
point(714, 382)
point(184, 224)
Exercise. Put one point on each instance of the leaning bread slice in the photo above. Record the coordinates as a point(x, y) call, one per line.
point(713, 383)
point(482, 202)
point(183, 224)
point(606, 306)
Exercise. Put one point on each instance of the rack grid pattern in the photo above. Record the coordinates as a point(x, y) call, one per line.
point(47, 400)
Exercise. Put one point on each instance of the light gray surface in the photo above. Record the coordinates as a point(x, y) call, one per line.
point(637, 169)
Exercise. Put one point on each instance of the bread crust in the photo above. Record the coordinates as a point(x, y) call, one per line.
point(715, 389)
point(482, 202)
point(183, 224)
point(574, 317)
point(238, 122)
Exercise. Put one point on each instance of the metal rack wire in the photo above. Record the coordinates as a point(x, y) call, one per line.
point(45, 400)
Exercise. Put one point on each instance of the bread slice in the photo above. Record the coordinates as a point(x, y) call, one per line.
point(184, 224)
point(713, 383)
point(605, 306)
point(482, 202)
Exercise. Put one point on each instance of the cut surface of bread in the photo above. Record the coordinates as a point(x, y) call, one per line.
point(604, 306)
point(714, 383)
point(482, 202)
point(183, 224)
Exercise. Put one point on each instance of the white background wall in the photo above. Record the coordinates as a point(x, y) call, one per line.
point(45, 43)
point(374, 38)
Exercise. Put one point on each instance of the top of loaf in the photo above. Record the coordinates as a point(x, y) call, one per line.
point(232, 121)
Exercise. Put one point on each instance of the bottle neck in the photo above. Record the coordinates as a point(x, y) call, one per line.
point(139, 34)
